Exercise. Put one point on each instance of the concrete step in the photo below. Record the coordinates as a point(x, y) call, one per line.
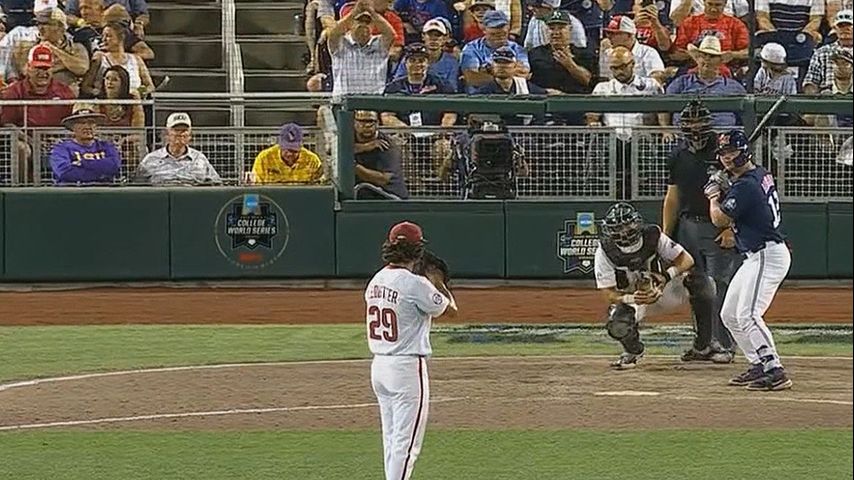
point(274, 80)
point(187, 80)
point(194, 19)
point(272, 52)
point(175, 51)
point(267, 18)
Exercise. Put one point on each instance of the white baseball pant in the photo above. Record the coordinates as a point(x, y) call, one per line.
point(402, 387)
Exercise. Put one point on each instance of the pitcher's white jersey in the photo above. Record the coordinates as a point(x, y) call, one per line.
point(400, 308)
point(609, 274)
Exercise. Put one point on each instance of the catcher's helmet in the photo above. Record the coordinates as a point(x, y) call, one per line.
point(696, 123)
point(623, 225)
point(735, 140)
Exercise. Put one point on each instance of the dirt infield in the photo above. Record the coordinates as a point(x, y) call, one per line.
point(483, 393)
point(300, 306)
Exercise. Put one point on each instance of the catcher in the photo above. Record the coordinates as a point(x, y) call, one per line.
point(641, 271)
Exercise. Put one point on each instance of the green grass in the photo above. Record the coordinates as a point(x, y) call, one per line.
point(447, 455)
point(27, 352)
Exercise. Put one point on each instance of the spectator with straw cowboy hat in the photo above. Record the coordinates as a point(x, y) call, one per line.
point(84, 158)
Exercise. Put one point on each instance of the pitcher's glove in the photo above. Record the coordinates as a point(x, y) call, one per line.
point(433, 267)
point(718, 184)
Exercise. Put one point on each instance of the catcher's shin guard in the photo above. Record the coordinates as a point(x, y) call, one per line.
point(622, 327)
point(701, 291)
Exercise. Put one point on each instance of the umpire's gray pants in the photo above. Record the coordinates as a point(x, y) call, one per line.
point(698, 235)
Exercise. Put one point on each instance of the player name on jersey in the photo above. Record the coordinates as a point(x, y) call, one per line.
point(383, 293)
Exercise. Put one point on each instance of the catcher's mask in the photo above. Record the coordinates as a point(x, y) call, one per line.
point(696, 124)
point(623, 225)
point(734, 141)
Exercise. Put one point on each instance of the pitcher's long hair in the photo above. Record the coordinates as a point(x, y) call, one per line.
point(401, 252)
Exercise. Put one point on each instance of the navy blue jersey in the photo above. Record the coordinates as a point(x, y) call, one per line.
point(754, 206)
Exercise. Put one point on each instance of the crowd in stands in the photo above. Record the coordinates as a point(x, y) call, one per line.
point(566, 46)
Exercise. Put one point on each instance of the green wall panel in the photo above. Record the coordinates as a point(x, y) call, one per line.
point(86, 234)
point(470, 236)
point(805, 225)
point(534, 232)
point(302, 247)
point(840, 236)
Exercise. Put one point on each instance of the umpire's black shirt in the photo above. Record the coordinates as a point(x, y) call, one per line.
point(690, 171)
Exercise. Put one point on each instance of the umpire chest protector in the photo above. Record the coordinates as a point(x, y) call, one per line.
point(645, 259)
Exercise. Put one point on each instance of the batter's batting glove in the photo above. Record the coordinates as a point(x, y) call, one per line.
point(718, 184)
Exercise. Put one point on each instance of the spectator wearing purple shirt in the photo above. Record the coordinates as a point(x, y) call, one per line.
point(707, 80)
point(84, 158)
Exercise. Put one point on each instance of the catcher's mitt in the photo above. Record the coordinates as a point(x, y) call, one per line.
point(649, 288)
point(718, 185)
point(433, 267)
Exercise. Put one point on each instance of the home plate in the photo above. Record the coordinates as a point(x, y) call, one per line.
point(626, 393)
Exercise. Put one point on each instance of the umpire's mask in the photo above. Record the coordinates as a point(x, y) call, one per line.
point(696, 124)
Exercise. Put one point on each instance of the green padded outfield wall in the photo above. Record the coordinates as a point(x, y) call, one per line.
point(840, 231)
point(86, 234)
point(469, 235)
point(252, 233)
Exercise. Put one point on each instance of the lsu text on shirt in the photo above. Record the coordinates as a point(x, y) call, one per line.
point(606, 271)
point(400, 307)
point(270, 168)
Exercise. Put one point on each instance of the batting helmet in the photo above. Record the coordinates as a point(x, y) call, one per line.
point(696, 123)
point(623, 225)
point(735, 140)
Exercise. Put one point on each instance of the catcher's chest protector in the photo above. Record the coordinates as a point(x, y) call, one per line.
point(645, 259)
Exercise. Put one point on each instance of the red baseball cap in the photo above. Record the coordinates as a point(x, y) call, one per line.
point(40, 57)
point(406, 231)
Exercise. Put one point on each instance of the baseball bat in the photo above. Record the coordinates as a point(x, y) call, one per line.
point(765, 119)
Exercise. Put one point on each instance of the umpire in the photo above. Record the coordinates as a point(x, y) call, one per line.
point(686, 214)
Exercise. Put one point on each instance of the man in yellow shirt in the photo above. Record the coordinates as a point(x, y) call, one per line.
point(288, 161)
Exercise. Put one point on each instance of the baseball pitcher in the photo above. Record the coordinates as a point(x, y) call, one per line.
point(401, 300)
point(750, 205)
point(641, 271)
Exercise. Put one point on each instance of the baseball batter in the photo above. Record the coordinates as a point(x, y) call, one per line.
point(641, 271)
point(400, 308)
point(752, 207)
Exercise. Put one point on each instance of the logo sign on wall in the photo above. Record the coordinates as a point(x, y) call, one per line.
point(251, 231)
point(577, 243)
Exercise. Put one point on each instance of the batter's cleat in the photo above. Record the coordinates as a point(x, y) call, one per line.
point(627, 361)
point(773, 380)
point(694, 355)
point(755, 372)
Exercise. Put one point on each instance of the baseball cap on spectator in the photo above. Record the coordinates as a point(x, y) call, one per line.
point(51, 16)
point(487, 3)
point(406, 231)
point(773, 53)
point(544, 3)
point(495, 19)
point(178, 118)
point(843, 16)
point(290, 137)
point(40, 56)
point(415, 50)
point(504, 55)
point(621, 23)
point(559, 17)
point(710, 45)
point(435, 25)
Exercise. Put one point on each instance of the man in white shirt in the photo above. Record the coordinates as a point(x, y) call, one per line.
point(538, 31)
point(682, 9)
point(400, 306)
point(177, 163)
point(621, 63)
point(621, 31)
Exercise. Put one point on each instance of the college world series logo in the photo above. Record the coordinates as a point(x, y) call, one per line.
point(251, 231)
point(577, 243)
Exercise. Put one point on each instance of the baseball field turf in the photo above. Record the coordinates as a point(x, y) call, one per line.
point(533, 403)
